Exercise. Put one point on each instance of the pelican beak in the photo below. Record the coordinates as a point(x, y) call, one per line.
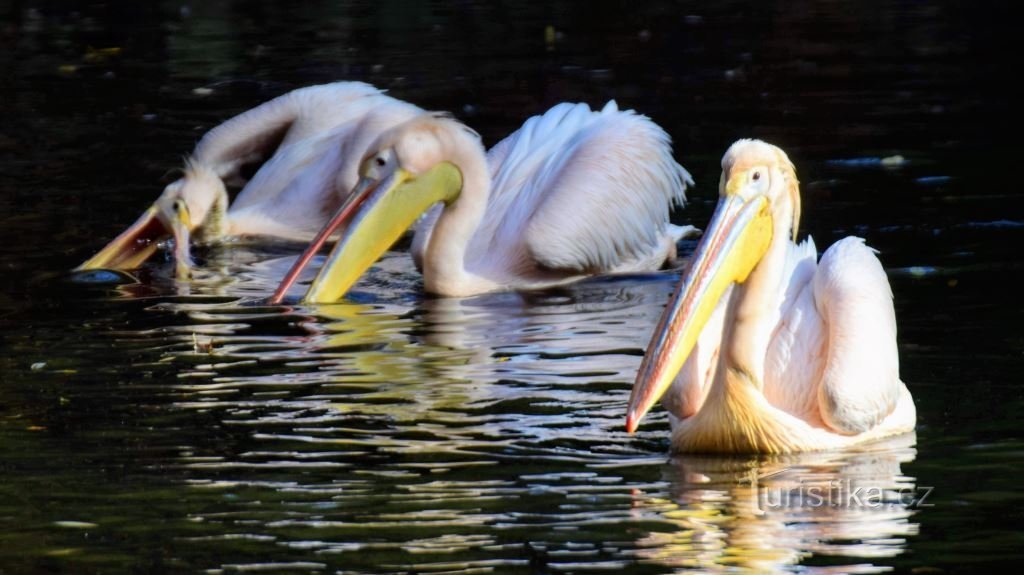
point(363, 189)
point(134, 246)
point(181, 228)
point(139, 242)
point(737, 238)
point(376, 216)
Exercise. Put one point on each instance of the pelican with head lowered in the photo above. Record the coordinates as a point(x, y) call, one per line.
point(573, 193)
point(307, 144)
point(764, 349)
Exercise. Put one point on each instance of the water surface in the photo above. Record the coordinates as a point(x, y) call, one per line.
point(152, 426)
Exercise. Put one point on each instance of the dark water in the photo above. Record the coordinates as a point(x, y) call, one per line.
point(156, 426)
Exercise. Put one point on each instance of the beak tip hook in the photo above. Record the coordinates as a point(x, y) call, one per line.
point(631, 422)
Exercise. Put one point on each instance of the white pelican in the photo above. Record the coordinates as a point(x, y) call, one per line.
point(774, 352)
point(314, 138)
point(572, 193)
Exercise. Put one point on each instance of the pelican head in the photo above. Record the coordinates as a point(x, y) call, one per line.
point(196, 199)
point(758, 206)
point(410, 170)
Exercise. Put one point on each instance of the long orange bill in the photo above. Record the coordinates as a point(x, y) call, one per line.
point(133, 246)
point(737, 238)
point(344, 213)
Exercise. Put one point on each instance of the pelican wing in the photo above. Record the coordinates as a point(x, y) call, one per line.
point(799, 343)
point(306, 180)
point(294, 192)
point(586, 191)
point(256, 134)
point(860, 384)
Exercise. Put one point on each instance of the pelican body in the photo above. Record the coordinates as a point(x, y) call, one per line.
point(574, 192)
point(763, 349)
point(310, 142)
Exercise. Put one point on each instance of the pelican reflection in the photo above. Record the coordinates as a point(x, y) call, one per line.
point(763, 514)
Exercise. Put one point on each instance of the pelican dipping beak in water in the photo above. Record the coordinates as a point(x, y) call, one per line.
point(572, 193)
point(762, 349)
point(310, 142)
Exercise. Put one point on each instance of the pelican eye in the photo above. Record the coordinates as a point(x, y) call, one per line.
point(756, 175)
point(380, 161)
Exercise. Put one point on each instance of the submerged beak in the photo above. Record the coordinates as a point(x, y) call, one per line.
point(134, 246)
point(181, 227)
point(139, 242)
point(737, 238)
point(383, 213)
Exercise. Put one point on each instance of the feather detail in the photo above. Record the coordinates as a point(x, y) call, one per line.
point(583, 191)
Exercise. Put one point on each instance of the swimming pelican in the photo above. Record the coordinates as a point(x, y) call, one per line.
point(572, 193)
point(774, 352)
point(314, 138)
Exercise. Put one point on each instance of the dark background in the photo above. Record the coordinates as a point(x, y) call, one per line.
point(99, 101)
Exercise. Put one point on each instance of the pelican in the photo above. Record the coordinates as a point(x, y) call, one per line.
point(762, 349)
point(314, 138)
point(574, 192)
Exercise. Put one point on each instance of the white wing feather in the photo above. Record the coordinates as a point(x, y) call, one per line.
point(585, 191)
point(255, 134)
point(327, 130)
point(860, 385)
point(796, 354)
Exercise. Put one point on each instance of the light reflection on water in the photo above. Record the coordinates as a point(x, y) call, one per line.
point(408, 433)
point(766, 513)
point(159, 426)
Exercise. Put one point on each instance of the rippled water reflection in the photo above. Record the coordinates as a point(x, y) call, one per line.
point(404, 434)
point(152, 426)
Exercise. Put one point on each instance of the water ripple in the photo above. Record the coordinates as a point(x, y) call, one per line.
point(441, 435)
